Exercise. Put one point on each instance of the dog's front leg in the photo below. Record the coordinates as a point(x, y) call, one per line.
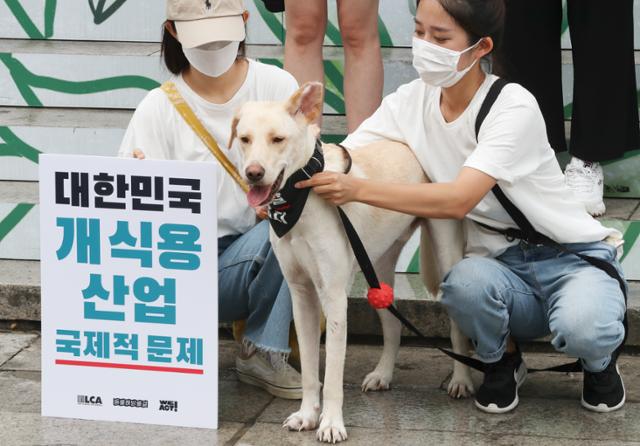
point(332, 428)
point(306, 315)
point(461, 385)
point(380, 378)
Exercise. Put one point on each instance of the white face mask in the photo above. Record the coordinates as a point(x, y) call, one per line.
point(436, 65)
point(213, 59)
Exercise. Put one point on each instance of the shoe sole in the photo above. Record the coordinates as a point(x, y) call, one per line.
point(603, 408)
point(520, 377)
point(287, 393)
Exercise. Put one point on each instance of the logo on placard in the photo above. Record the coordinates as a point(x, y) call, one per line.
point(86, 400)
point(168, 406)
point(128, 402)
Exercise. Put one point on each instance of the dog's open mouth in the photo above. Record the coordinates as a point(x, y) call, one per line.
point(262, 195)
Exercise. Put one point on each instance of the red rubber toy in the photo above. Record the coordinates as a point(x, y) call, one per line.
point(380, 298)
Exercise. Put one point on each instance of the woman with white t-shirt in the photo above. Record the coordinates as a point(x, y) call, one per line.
point(202, 46)
point(505, 289)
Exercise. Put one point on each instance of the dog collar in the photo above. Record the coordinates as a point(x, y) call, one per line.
point(288, 204)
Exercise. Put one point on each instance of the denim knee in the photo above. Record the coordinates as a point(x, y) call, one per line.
point(468, 285)
point(584, 337)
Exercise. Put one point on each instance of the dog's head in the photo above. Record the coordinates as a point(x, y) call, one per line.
point(276, 139)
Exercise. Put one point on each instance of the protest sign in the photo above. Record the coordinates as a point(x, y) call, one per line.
point(129, 290)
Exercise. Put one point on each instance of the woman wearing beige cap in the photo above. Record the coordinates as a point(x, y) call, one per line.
point(203, 46)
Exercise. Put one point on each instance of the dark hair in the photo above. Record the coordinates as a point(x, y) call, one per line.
point(479, 18)
point(174, 58)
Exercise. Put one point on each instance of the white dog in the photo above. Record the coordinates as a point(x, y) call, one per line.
point(277, 139)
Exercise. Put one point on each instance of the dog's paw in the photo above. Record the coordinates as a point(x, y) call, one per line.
point(331, 429)
point(301, 420)
point(460, 386)
point(376, 381)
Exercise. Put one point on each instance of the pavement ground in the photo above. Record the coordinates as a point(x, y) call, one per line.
point(416, 411)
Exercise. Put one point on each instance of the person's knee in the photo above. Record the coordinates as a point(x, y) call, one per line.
point(468, 285)
point(582, 335)
point(357, 37)
point(305, 30)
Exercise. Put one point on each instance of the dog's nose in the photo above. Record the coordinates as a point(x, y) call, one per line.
point(254, 172)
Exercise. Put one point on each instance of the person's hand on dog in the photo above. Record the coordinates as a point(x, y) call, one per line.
point(337, 188)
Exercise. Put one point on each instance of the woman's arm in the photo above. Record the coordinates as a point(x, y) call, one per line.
point(432, 200)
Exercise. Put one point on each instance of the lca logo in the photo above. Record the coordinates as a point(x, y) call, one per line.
point(86, 400)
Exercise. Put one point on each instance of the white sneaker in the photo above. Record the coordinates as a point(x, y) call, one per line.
point(586, 180)
point(271, 372)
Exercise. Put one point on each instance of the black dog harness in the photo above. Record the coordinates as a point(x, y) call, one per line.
point(288, 204)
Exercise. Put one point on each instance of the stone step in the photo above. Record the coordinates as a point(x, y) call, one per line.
point(20, 301)
point(110, 48)
point(93, 118)
point(105, 60)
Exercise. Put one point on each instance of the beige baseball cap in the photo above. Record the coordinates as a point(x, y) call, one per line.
point(199, 22)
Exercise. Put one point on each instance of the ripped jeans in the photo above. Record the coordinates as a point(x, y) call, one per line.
point(251, 287)
point(531, 291)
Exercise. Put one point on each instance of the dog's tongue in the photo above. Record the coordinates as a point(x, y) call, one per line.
point(257, 195)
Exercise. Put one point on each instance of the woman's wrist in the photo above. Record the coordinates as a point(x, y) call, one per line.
point(360, 189)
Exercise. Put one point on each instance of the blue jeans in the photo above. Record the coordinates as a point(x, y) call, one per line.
point(251, 287)
point(531, 291)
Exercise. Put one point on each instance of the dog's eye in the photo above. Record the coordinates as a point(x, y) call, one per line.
point(277, 139)
point(245, 139)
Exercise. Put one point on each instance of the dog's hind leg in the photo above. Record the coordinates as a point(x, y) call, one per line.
point(380, 378)
point(306, 314)
point(334, 302)
point(461, 385)
point(436, 260)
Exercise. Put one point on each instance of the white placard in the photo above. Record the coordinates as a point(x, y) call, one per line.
point(129, 295)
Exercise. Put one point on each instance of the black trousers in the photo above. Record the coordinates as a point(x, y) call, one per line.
point(605, 100)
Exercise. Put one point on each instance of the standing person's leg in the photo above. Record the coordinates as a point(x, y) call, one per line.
point(586, 308)
point(306, 23)
point(251, 287)
point(531, 56)
point(363, 73)
point(490, 303)
point(605, 103)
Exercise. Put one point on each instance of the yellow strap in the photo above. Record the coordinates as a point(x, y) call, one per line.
point(190, 117)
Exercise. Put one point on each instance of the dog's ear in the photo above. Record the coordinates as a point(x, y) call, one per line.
point(307, 101)
point(234, 128)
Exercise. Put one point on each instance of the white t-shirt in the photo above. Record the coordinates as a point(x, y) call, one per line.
point(159, 131)
point(512, 147)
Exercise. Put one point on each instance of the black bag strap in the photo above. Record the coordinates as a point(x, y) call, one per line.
point(489, 100)
point(527, 232)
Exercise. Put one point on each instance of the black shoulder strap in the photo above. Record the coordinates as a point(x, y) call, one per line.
point(489, 100)
point(518, 217)
point(527, 232)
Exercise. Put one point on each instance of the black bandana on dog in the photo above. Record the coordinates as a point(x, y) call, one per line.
point(288, 203)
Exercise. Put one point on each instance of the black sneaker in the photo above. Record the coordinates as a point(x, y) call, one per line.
point(499, 390)
point(603, 391)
